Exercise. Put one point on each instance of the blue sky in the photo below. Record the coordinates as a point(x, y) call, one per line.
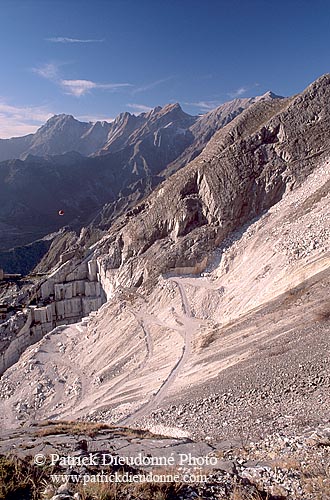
point(95, 59)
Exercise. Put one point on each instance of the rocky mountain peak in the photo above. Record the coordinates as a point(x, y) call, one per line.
point(269, 95)
point(168, 108)
point(175, 110)
point(319, 82)
point(59, 119)
point(123, 115)
point(172, 106)
point(154, 111)
point(124, 118)
point(318, 86)
point(172, 113)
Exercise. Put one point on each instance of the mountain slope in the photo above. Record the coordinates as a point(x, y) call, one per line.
point(206, 125)
point(196, 137)
point(245, 168)
point(252, 213)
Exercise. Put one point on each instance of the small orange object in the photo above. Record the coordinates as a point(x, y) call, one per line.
point(61, 212)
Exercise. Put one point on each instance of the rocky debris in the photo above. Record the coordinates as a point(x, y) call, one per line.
point(281, 466)
point(261, 402)
point(64, 492)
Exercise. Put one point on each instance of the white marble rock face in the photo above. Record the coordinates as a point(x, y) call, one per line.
point(73, 295)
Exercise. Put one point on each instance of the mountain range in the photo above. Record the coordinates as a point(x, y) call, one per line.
point(84, 168)
point(63, 133)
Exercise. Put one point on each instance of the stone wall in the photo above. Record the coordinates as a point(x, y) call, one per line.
point(23, 339)
point(198, 268)
point(70, 293)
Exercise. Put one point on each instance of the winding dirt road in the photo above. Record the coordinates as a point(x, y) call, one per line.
point(189, 325)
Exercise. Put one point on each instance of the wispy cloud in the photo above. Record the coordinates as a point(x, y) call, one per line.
point(139, 108)
point(21, 120)
point(242, 90)
point(151, 85)
point(77, 88)
point(204, 105)
point(81, 87)
point(238, 92)
point(49, 71)
point(66, 39)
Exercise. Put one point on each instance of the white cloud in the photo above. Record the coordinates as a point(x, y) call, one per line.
point(66, 39)
point(77, 88)
point(139, 108)
point(204, 105)
point(81, 87)
point(151, 85)
point(16, 120)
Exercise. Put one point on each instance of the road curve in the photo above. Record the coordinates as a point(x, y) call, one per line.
point(157, 397)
